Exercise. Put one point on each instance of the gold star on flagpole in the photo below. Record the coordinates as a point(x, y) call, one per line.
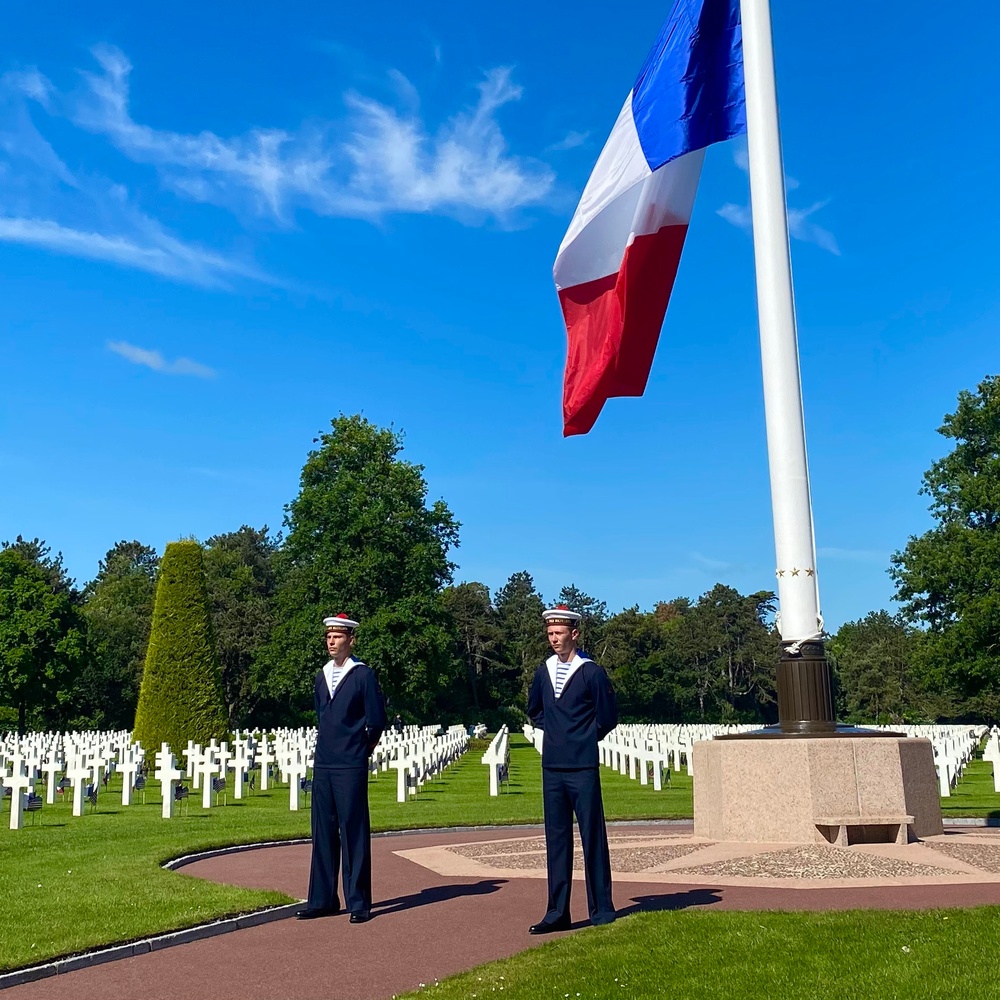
point(795, 572)
point(810, 572)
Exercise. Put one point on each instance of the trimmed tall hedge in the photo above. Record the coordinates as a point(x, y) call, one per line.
point(181, 694)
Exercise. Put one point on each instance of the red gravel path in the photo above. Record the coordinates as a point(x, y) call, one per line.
point(426, 927)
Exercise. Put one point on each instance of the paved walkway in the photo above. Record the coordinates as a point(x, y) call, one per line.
point(430, 925)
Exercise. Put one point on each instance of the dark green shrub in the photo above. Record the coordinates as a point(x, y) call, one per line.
point(181, 694)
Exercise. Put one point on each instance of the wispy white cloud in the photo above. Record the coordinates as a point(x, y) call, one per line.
point(157, 253)
point(571, 140)
point(381, 159)
point(30, 83)
point(44, 204)
point(155, 360)
point(800, 224)
point(803, 228)
point(736, 215)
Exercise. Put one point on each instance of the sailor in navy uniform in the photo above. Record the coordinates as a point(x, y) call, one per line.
point(572, 702)
point(350, 713)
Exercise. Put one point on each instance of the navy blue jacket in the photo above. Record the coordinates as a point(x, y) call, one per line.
point(577, 720)
point(350, 723)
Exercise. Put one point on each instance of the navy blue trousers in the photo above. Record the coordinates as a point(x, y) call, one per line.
point(565, 793)
point(341, 828)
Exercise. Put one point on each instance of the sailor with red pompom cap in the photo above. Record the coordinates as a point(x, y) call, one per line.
point(350, 714)
point(572, 702)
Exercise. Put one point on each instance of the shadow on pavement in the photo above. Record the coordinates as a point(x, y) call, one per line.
point(672, 901)
point(437, 894)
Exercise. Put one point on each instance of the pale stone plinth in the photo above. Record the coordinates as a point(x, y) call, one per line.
point(776, 790)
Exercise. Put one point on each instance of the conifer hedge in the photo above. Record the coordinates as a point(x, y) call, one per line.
point(181, 695)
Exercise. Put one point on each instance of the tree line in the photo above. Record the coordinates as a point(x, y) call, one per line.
point(361, 537)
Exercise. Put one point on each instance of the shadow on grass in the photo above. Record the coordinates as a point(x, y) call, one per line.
point(438, 894)
point(672, 901)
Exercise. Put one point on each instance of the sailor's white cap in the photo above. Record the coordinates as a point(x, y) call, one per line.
point(561, 615)
point(339, 623)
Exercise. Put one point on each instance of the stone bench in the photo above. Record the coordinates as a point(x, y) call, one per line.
point(846, 830)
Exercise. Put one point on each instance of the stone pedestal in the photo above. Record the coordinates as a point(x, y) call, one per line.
point(802, 790)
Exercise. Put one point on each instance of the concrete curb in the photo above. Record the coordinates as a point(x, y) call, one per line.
point(155, 943)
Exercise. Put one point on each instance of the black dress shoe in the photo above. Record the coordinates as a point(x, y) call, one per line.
point(361, 917)
point(312, 912)
point(545, 927)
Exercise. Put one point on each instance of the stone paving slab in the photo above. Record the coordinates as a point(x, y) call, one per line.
point(427, 926)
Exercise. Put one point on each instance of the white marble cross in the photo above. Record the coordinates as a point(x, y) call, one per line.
point(79, 773)
point(167, 774)
point(52, 766)
point(129, 766)
point(18, 783)
point(240, 761)
point(206, 769)
point(992, 754)
point(193, 757)
point(264, 758)
point(295, 770)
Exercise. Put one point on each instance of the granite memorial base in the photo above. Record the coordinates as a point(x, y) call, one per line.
point(802, 790)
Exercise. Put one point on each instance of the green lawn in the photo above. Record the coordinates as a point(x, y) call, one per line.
point(974, 795)
point(72, 883)
point(700, 955)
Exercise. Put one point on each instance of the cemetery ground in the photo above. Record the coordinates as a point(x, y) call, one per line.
point(69, 883)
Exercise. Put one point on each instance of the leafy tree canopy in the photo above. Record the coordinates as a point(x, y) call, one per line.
point(41, 636)
point(361, 539)
point(949, 578)
point(118, 609)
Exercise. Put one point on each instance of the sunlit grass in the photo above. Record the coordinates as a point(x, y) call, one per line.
point(701, 955)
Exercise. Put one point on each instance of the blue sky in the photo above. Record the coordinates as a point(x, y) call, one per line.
point(221, 225)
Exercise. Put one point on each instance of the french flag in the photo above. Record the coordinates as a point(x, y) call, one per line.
point(616, 266)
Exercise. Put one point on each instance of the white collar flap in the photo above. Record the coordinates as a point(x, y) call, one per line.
point(329, 667)
point(574, 665)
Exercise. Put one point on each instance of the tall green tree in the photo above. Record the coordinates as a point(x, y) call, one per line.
point(362, 539)
point(492, 681)
point(948, 579)
point(242, 582)
point(519, 609)
point(118, 608)
point(876, 659)
point(729, 650)
point(41, 634)
point(594, 616)
point(181, 694)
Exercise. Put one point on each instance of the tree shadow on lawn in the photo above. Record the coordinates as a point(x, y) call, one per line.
point(437, 894)
point(672, 901)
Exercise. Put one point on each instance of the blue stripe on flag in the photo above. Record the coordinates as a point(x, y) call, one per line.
point(689, 92)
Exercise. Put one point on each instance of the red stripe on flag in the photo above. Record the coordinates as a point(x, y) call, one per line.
point(613, 324)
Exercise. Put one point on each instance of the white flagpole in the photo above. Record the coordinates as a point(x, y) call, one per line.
point(798, 591)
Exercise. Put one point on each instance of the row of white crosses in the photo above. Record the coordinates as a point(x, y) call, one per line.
point(418, 754)
point(954, 746)
point(992, 754)
point(641, 751)
point(82, 757)
point(497, 759)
